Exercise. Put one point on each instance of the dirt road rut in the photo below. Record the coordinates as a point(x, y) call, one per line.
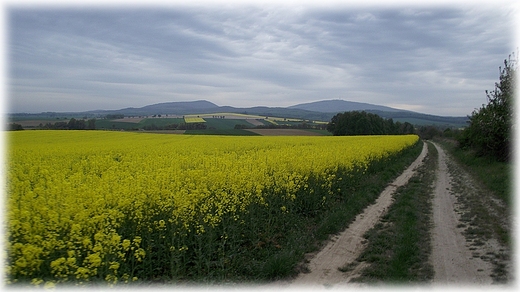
point(452, 259)
point(455, 257)
point(347, 246)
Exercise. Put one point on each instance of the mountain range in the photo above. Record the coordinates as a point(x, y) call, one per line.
point(322, 110)
point(333, 106)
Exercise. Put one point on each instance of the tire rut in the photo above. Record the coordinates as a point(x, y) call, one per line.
point(452, 259)
point(348, 245)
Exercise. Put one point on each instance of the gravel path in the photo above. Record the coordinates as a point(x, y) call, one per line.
point(348, 245)
point(452, 259)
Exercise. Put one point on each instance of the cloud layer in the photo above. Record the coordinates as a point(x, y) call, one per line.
point(436, 60)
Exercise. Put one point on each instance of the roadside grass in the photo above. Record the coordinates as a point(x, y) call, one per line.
point(399, 246)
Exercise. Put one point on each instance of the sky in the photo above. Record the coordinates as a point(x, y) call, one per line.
point(436, 58)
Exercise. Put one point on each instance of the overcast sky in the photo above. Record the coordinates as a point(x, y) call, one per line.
point(431, 59)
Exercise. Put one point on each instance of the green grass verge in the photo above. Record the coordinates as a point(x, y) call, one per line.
point(160, 122)
point(225, 124)
point(399, 246)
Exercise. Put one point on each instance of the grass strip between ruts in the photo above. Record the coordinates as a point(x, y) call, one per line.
point(399, 246)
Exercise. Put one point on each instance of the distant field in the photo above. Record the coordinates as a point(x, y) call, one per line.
point(136, 123)
point(189, 120)
point(165, 132)
point(226, 124)
point(160, 121)
point(226, 132)
point(216, 124)
point(113, 124)
point(255, 122)
point(129, 120)
point(285, 132)
point(234, 116)
point(36, 123)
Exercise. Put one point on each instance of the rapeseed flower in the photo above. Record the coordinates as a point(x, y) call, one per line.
point(91, 204)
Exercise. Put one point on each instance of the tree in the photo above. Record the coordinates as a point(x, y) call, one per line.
point(15, 127)
point(489, 130)
point(114, 116)
point(76, 124)
point(91, 124)
point(428, 132)
point(363, 123)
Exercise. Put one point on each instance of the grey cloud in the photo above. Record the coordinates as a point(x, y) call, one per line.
point(240, 55)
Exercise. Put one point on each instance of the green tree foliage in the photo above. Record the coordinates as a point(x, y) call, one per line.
point(76, 124)
point(428, 132)
point(114, 116)
point(489, 130)
point(15, 127)
point(91, 124)
point(73, 124)
point(154, 127)
point(363, 123)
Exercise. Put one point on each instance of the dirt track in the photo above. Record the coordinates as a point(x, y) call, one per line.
point(348, 245)
point(465, 245)
point(454, 258)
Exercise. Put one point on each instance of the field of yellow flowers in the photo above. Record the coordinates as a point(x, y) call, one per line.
point(116, 207)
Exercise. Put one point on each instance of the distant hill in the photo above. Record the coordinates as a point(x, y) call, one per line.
point(182, 107)
point(337, 105)
point(422, 119)
point(317, 111)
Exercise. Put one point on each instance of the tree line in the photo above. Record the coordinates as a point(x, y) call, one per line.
point(72, 124)
point(490, 127)
point(362, 123)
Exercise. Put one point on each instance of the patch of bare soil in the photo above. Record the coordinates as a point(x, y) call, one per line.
point(348, 245)
point(284, 132)
point(255, 122)
point(36, 123)
point(465, 250)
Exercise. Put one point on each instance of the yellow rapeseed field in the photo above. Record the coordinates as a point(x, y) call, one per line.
point(189, 119)
point(83, 206)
